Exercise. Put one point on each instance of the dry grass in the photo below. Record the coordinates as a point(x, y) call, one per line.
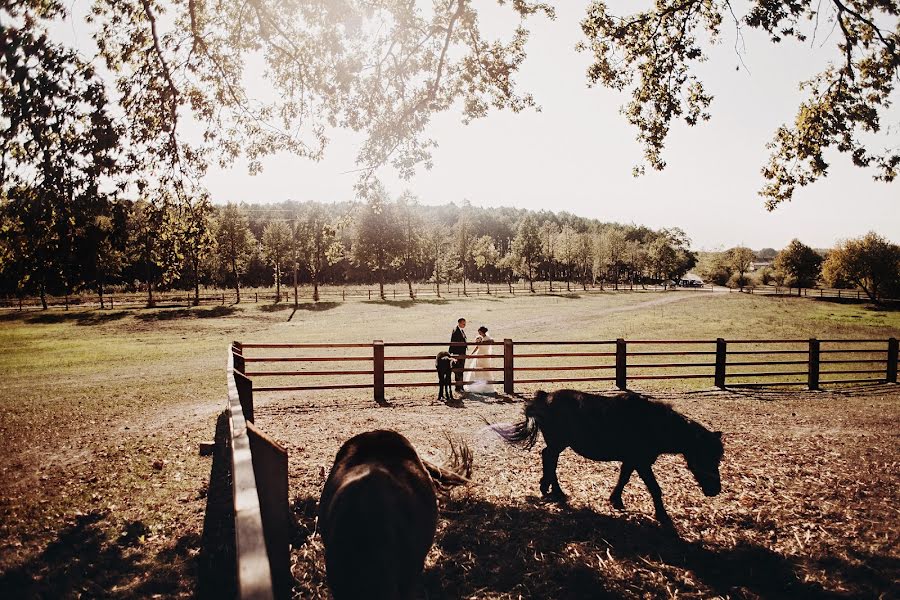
point(808, 507)
point(103, 493)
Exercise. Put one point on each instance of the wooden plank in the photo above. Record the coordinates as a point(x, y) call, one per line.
point(668, 365)
point(577, 368)
point(721, 363)
point(378, 367)
point(686, 376)
point(621, 362)
point(674, 353)
point(565, 379)
point(310, 359)
point(562, 354)
point(254, 575)
point(813, 370)
point(508, 366)
point(270, 467)
point(306, 373)
point(306, 388)
point(767, 374)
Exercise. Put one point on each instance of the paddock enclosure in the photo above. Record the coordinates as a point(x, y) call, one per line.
point(809, 475)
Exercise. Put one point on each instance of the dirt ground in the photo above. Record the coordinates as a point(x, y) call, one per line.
point(808, 508)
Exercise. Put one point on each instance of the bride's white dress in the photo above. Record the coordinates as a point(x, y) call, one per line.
point(477, 382)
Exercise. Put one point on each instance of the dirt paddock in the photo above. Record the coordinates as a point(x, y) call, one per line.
point(808, 508)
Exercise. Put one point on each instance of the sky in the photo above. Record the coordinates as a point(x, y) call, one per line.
point(577, 153)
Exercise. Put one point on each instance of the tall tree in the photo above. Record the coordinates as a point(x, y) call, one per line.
point(583, 257)
point(276, 245)
point(800, 263)
point(463, 245)
point(549, 240)
point(412, 243)
point(235, 243)
point(486, 257)
point(739, 260)
point(153, 243)
point(527, 248)
point(196, 238)
point(376, 243)
point(870, 262)
point(654, 54)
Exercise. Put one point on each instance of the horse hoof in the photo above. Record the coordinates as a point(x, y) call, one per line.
point(665, 521)
point(617, 503)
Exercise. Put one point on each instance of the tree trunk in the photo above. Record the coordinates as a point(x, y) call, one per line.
point(237, 283)
point(278, 281)
point(43, 296)
point(295, 284)
point(381, 284)
point(409, 283)
point(531, 279)
point(100, 291)
point(196, 283)
point(150, 302)
point(316, 286)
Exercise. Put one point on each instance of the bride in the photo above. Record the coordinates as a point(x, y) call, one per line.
point(477, 382)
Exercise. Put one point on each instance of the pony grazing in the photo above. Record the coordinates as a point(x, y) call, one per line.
point(378, 514)
point(623, 427)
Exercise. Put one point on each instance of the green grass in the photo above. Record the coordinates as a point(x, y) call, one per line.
point(92, 399)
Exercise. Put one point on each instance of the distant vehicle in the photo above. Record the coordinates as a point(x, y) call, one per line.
point(690, 280)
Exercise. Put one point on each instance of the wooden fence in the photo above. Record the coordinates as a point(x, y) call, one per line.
point(332, 293)
point(259, 478)
point(725, 363)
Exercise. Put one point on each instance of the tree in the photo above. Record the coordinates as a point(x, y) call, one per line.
point(463, 244)
point(196, 237)
point(376, 244)
point(549, 235)
point(739, 260)
point(527, 248)
point(654, 54)
point(153, 242)
point(318, 245)
point(412, 243)
point(800, 263)
point(564, 252)
point(276, 245)
point(583, 257)
point(437, 250)
point(486, 257)
point(870, 262)
point(235, 243)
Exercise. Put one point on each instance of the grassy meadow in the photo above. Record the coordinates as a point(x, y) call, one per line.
point(102, 412)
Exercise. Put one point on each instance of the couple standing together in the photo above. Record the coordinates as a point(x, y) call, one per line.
point(477, 381)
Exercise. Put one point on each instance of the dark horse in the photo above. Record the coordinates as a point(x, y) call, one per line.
point(623, 427)
point(378, 514)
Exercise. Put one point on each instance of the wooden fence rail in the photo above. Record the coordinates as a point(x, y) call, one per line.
point(726, 363)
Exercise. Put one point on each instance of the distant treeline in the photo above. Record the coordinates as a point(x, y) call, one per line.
point(148, 246)
point(127, 246)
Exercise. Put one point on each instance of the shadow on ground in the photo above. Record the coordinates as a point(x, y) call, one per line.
point(408, 303)
point(84, 562)
point(78, 316)
point(171, 314)
point(488, 549)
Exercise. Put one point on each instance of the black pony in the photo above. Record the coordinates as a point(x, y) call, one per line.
point(378, 514)
point(623, 427)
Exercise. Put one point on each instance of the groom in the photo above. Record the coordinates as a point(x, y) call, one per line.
point(458, 348)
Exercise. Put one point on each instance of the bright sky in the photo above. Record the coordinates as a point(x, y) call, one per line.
point(577, 154)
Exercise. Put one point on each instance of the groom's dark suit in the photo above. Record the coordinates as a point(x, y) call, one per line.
point(459, 335)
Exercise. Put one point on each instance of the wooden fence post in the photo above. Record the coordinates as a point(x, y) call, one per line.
point(245, 394)
point(270, 469)
point(813, 376)
point(721, 356)
point(238, 351)
point(508, 379)
point(621, 370)
point(893, 348)
point(378, 369)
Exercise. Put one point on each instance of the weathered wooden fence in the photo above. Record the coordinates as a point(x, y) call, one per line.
point(262, 519)
point(725, 363)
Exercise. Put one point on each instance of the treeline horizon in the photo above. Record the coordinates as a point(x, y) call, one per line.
point(143, 246)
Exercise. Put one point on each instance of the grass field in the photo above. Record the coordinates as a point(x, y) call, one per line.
point(103, 491)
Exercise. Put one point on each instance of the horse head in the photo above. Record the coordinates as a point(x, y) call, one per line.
point(703, 461)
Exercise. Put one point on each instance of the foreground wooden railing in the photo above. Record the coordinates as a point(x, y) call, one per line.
point(259, 478)
point(726, 363)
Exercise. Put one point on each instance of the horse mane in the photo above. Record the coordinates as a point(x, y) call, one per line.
point(685, 423)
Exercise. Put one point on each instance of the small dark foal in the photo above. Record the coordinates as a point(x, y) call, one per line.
point(443, 363)
point(624, 427)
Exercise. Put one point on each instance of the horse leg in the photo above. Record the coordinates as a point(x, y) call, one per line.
point(646, 474)
point(549, 482)
point(624, 476)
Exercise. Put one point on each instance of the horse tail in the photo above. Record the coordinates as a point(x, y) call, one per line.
point(456, 471)
point(525, 432)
